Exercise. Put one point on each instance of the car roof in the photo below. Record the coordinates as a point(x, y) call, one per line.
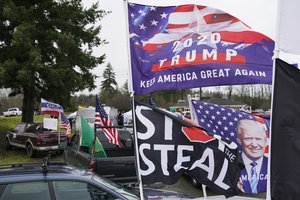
point(32, 172)
point(38, 171)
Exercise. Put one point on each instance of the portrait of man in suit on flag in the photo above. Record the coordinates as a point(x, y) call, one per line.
point(252, 137)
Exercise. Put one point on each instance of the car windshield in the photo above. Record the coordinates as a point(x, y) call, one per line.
point(128, 192)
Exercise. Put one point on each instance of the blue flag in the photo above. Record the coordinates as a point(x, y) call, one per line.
point(188, 46)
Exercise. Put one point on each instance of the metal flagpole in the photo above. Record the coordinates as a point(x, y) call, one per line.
point(59, 120)
point(95, 129)
point(130, 88)
point(276, 55)
point(193, 118)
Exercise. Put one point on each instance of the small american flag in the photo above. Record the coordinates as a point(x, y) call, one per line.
point(102, 119)
point(65, 124)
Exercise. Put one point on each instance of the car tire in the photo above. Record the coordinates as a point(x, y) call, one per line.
point(7, 145)
point(30, 151)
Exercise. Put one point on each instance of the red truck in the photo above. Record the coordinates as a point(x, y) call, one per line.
point(34, 138)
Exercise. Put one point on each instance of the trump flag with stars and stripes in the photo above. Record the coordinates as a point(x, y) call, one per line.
point(224, 121)
point(53, 109)
point(188, 46)
point(103, 121)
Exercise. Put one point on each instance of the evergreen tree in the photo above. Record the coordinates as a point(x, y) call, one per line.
point(46, 49)
point(109, 85)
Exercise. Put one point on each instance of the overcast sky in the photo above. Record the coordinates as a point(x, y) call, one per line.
point(260, 15)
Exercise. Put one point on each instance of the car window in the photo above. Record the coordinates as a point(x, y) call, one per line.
point(19, 128)
point(26, 191)
point(125, 137)
point(70, 190)
point(33, 128)
point(125, 191)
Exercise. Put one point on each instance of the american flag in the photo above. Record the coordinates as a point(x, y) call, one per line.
point(102, 119)
point(65, 124)
point(220, 120)
point(155, 26)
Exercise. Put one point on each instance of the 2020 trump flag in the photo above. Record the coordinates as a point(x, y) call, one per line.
point(187, 46)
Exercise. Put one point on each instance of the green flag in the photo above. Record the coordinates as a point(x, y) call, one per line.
point(99, 150)
point(87, 139)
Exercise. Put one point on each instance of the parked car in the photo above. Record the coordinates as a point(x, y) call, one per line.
point(34, 138)
point(119, 165)
point(58, 181)
point(12, 112)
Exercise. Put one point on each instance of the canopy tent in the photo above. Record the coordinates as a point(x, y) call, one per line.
point(127, 118)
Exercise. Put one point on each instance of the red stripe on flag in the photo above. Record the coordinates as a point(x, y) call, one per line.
point(217, 18)
point(187, 8)
point(246, 37)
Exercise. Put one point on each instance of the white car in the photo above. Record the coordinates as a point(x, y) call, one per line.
point(12, 112)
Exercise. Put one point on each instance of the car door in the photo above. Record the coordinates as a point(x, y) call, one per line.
point(77, 155)
point(71, 150)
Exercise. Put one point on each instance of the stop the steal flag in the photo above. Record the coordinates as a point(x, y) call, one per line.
point(187, 46)
point(170, 146)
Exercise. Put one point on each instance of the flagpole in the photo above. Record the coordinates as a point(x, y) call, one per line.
point(276, 55)
point(190, 107)
point(59, 121)
point(131, 92)
point(95, 129)
point(193, 118)
point(137, 149)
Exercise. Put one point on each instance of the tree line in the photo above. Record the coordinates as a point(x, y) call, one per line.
point(257, 96)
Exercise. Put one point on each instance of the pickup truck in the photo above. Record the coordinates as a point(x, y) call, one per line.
point(118, 166)
point(12, 112)
point(34, 138)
